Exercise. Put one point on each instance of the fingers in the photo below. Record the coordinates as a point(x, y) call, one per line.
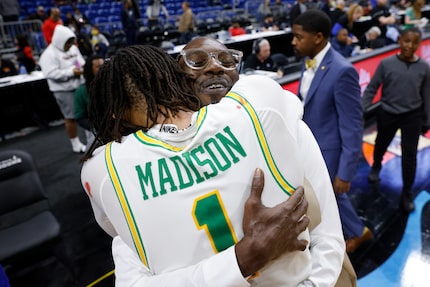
point(257, 184)
point(297, 199)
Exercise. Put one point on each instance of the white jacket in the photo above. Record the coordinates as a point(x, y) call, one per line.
point(57, 65)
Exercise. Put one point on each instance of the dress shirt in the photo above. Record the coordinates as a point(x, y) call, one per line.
point(309, 73)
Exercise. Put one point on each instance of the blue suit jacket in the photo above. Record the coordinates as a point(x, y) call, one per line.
point(332, 110)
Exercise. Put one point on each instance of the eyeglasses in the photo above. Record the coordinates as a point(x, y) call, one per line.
point(198, 59)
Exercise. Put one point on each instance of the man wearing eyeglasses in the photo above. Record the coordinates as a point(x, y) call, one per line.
point(212, 68)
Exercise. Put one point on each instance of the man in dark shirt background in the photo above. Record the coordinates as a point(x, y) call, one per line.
point(260, 58)
point(382, 18)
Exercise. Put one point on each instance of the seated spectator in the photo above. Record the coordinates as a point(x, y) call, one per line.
point(24, 53)
point(383, 18)
point(342, 44)
point(7, 68)
point(337, 11)
point(347, 21)
point(298, 8)
point(371, 40)
point(366, 5)
point(235, 29)
point(263, 10)
point(70, 21)
point(269, 23)
point(80, 18)
point(413, 15)
point(260, 58)
point(280, 11)
point(99, 42)
point(38, 15)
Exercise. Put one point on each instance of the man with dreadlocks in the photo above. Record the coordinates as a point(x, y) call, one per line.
point(172, 184)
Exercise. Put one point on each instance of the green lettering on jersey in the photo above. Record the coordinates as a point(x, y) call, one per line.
point(204, 162)
point(165, 176)
point(199, 177)
point(145, 179)
point(212, 142)
point(182, 184)
point(231, 143)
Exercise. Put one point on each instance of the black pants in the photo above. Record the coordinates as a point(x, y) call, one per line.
point(410, 126)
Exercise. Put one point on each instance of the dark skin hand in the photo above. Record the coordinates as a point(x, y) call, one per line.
point(341, 186)
point(270, 232)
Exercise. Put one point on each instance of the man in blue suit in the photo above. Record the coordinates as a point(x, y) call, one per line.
point(330, 90)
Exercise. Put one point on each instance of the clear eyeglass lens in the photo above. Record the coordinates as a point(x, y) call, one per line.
point(227, 59)
point(199, 59)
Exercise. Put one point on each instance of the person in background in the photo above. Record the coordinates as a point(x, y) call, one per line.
point(269, 23)
point(235, 29)
point(298, 8)
point(10, 10)
point(71, 22)
point(153, 11)
point(413, 14)
point(258, 253)
point(129, 22)
point(7, 68)
point(405, 105)
point(335, 9)
point(347, 21)
point(260, 58)
point(263, 10)
point(342, 44)
point(80, 18)
point(24, 53)
point(329, 87)
point(280, 12)
point(82, 100)
point(61, 64)
point(99, 42)
point(38, 15)
point(371, 40)
point(186, 24)
point(382, 17)
point(50, 23)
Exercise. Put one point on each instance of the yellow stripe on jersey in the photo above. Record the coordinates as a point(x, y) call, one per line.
point(282, 182)
point(122, 198)
point(146, 139)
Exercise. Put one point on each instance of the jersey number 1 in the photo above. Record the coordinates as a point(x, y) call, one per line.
point(209, 214)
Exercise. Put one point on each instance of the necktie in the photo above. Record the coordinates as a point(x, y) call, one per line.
point(310, 64)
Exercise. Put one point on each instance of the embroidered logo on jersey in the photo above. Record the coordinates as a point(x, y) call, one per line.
point(171, 129)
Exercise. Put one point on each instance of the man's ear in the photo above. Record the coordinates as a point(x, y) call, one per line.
point(319, 38)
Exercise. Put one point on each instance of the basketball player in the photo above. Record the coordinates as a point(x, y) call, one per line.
point(176, 189)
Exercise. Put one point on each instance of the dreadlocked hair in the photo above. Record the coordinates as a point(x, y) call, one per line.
point(143, 77)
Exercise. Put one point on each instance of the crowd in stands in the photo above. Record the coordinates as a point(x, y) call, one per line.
point(103, 26)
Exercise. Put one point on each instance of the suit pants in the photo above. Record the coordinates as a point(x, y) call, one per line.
point(410, 126)
point(352, 224)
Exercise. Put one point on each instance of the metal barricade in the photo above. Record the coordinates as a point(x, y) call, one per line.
point(33, 30)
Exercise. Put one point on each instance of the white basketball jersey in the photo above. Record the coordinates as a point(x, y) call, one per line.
point(180, 200)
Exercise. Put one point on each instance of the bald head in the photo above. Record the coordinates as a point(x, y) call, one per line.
point(213, 82)
point(55, 14)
